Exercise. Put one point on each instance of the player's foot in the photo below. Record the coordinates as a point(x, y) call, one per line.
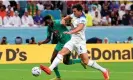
point(83, 65)
point(55, 78)
point(106, 75)
point(45, 69)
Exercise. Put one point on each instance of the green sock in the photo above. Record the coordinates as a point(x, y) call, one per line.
point(57, 73)
point(77, 60)
point(73, 61)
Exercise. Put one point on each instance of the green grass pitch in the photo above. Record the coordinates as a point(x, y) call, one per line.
point(118, 71)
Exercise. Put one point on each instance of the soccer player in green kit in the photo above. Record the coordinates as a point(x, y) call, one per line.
point(56, 30)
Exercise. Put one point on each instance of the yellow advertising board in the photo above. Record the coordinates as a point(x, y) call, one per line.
point(25, 53)
point(10, 54)
point(111, 52)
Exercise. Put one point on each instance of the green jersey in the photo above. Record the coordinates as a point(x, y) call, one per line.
point(58, 29)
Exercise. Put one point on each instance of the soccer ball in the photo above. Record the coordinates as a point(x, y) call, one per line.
point(36, 71)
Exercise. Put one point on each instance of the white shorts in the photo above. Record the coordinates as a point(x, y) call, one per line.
point(79, 47)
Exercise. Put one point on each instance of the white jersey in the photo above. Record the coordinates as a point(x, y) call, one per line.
point(78, 41)
point(75, 21)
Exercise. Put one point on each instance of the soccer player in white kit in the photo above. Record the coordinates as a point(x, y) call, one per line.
point(77, 43)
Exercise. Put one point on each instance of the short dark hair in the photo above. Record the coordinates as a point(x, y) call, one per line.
point(130, 38)
point(4, 37)
point(86, 11)
point(78, 7)
point(3, 6)
point(18, 40)
point(32, 38)
point(47, 17)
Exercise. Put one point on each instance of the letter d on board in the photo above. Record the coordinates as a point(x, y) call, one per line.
point(8, 53)
point(94, 52)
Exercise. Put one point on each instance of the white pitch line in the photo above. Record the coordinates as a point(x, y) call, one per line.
point(91, 71)
point(61, 71)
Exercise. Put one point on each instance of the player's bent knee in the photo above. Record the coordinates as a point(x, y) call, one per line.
point(85, 62)
point(84, 58)
point(64, 51)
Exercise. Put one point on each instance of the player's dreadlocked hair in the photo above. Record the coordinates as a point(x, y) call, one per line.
point(46, 18)
point(78, 7)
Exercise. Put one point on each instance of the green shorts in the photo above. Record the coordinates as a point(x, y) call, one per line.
point(59, 46)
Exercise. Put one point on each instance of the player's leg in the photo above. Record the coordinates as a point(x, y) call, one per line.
point(74, 55)
point(57, 73)
point(68, 61)
point(74, 58)
point(66, 50)
point(56, 61)
point(78, 60)
point(93, 64)
point(84, 57)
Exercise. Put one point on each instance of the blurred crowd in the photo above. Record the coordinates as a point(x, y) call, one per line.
point(110, 13)
point(106, 40)
point(18, 40)
point(98, 13)
point(94, 40)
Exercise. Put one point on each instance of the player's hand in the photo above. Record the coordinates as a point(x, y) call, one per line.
point(63, 22)
point(67, 32)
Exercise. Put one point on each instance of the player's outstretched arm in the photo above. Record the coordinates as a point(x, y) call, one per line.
point(76, 30)
point(45, 41)
point(67, 18)
point(63, 21)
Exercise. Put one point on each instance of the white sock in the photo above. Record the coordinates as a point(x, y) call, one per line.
point(93, 64)
point(56, 61)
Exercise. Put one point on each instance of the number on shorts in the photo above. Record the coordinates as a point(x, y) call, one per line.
point(81, 48)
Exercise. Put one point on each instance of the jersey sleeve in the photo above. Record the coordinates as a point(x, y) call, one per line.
point(82, 20)
point(71, 15)
point(58, 23)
